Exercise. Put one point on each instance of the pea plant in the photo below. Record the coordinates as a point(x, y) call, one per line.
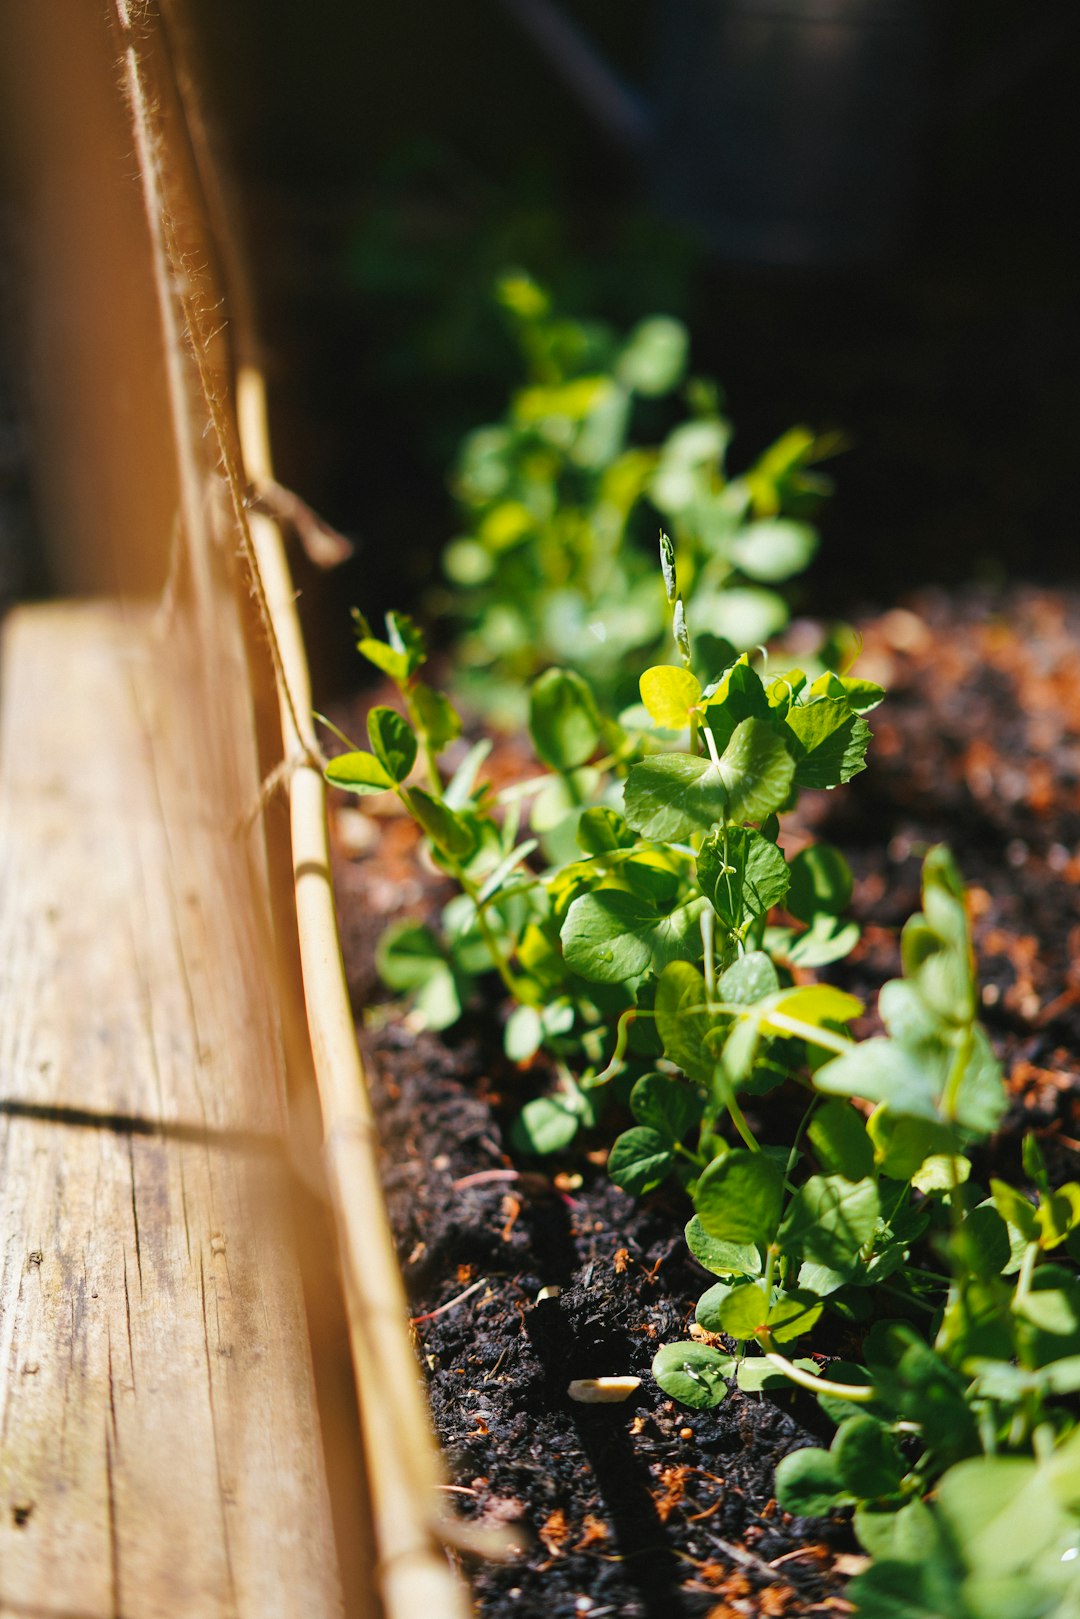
point(636, 901)
point(606, 435)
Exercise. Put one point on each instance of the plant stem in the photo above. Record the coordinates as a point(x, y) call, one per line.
point(708, 946)
point(857, 1393)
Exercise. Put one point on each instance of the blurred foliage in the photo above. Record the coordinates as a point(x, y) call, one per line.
point(607, 439)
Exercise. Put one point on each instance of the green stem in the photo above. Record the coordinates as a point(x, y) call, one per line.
point(738, 1119)
point(1027, 1271)
point(622, 1036)
point(708, 946)
point(957, 1070)
point(857, 1393)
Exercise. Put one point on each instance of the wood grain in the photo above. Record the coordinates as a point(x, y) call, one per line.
point(159, 1443)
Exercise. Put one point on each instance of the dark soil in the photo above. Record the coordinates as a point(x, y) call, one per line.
point(642, 1509)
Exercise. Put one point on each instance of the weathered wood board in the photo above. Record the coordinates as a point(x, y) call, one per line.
point(159, 1446)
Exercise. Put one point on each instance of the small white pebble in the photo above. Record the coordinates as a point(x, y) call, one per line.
point(602, 1390)
point(356, 832)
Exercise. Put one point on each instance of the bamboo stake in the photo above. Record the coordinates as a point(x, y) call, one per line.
point(403, 1465)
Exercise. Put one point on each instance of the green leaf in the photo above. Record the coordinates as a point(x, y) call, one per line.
point(863, 695)
point(747, 981)
point(603, 831)
point(756, 1374)
point(438, 717)
point(610, 936)
point(821, 881)
point(385, 658)
point(669, 796)
point(981, 1245)
point(523, 1034)
point(653, 359)
point(667, 568)
point(1002, 1512)
point(883, 1070)
point(838, 1135)
point(563, 721)
point(708, 1305)
point(358, 772)
point(817, 1005)
point(908, 1535)
point(743, 617)
point(407, 954)
point(742, 1311)
point(739, 1198)
point(409, 959)
point(773, 550)
point(829, 1219)
point(545, 1125)
point(1015, 1209)
point(902, 1144)
point(1052, 1303)
point(406, 638)
point(665, 1105)
point(827, 939)
point(793, 1314)
point(867, 1458)
point(722, 1258)
point(808, 1483)
point(682, 1021)
point(393, 742)
point(743, 880)
point(639, 1160)
point(829, 742)
point(444, 826)
point(693, 1374)
point(669, 693)
point(459, 789)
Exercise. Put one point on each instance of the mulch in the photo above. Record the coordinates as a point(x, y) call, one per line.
point(523, 1276)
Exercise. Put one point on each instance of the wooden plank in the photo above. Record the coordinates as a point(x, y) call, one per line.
point(159, 1443)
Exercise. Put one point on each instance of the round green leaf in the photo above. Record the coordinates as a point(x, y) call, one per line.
point(792, 1315)
point(392, 741)
point(669, 693)
point(808, 1483)
point(523, 1034)
point(544, 1125)
point(867, 1459)
point(669, 796)
point(407, 954)
point(654, 358)
point(821, 880)
point(745, 617)
point(773, 550)
point(668, 1106)
point(562, 719)
point(358, 772)
point(739, 1198)
point(610, 936)
point(748, 980)
point(707, 1314)
point(838, 1135)
point(744, 875)
point(694, 1374)
point(722, 1258)
point(829, 1220)
point(639, 1160)
point(742, 1312)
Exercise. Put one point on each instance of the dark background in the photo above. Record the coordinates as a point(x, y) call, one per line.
point(391, 159)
